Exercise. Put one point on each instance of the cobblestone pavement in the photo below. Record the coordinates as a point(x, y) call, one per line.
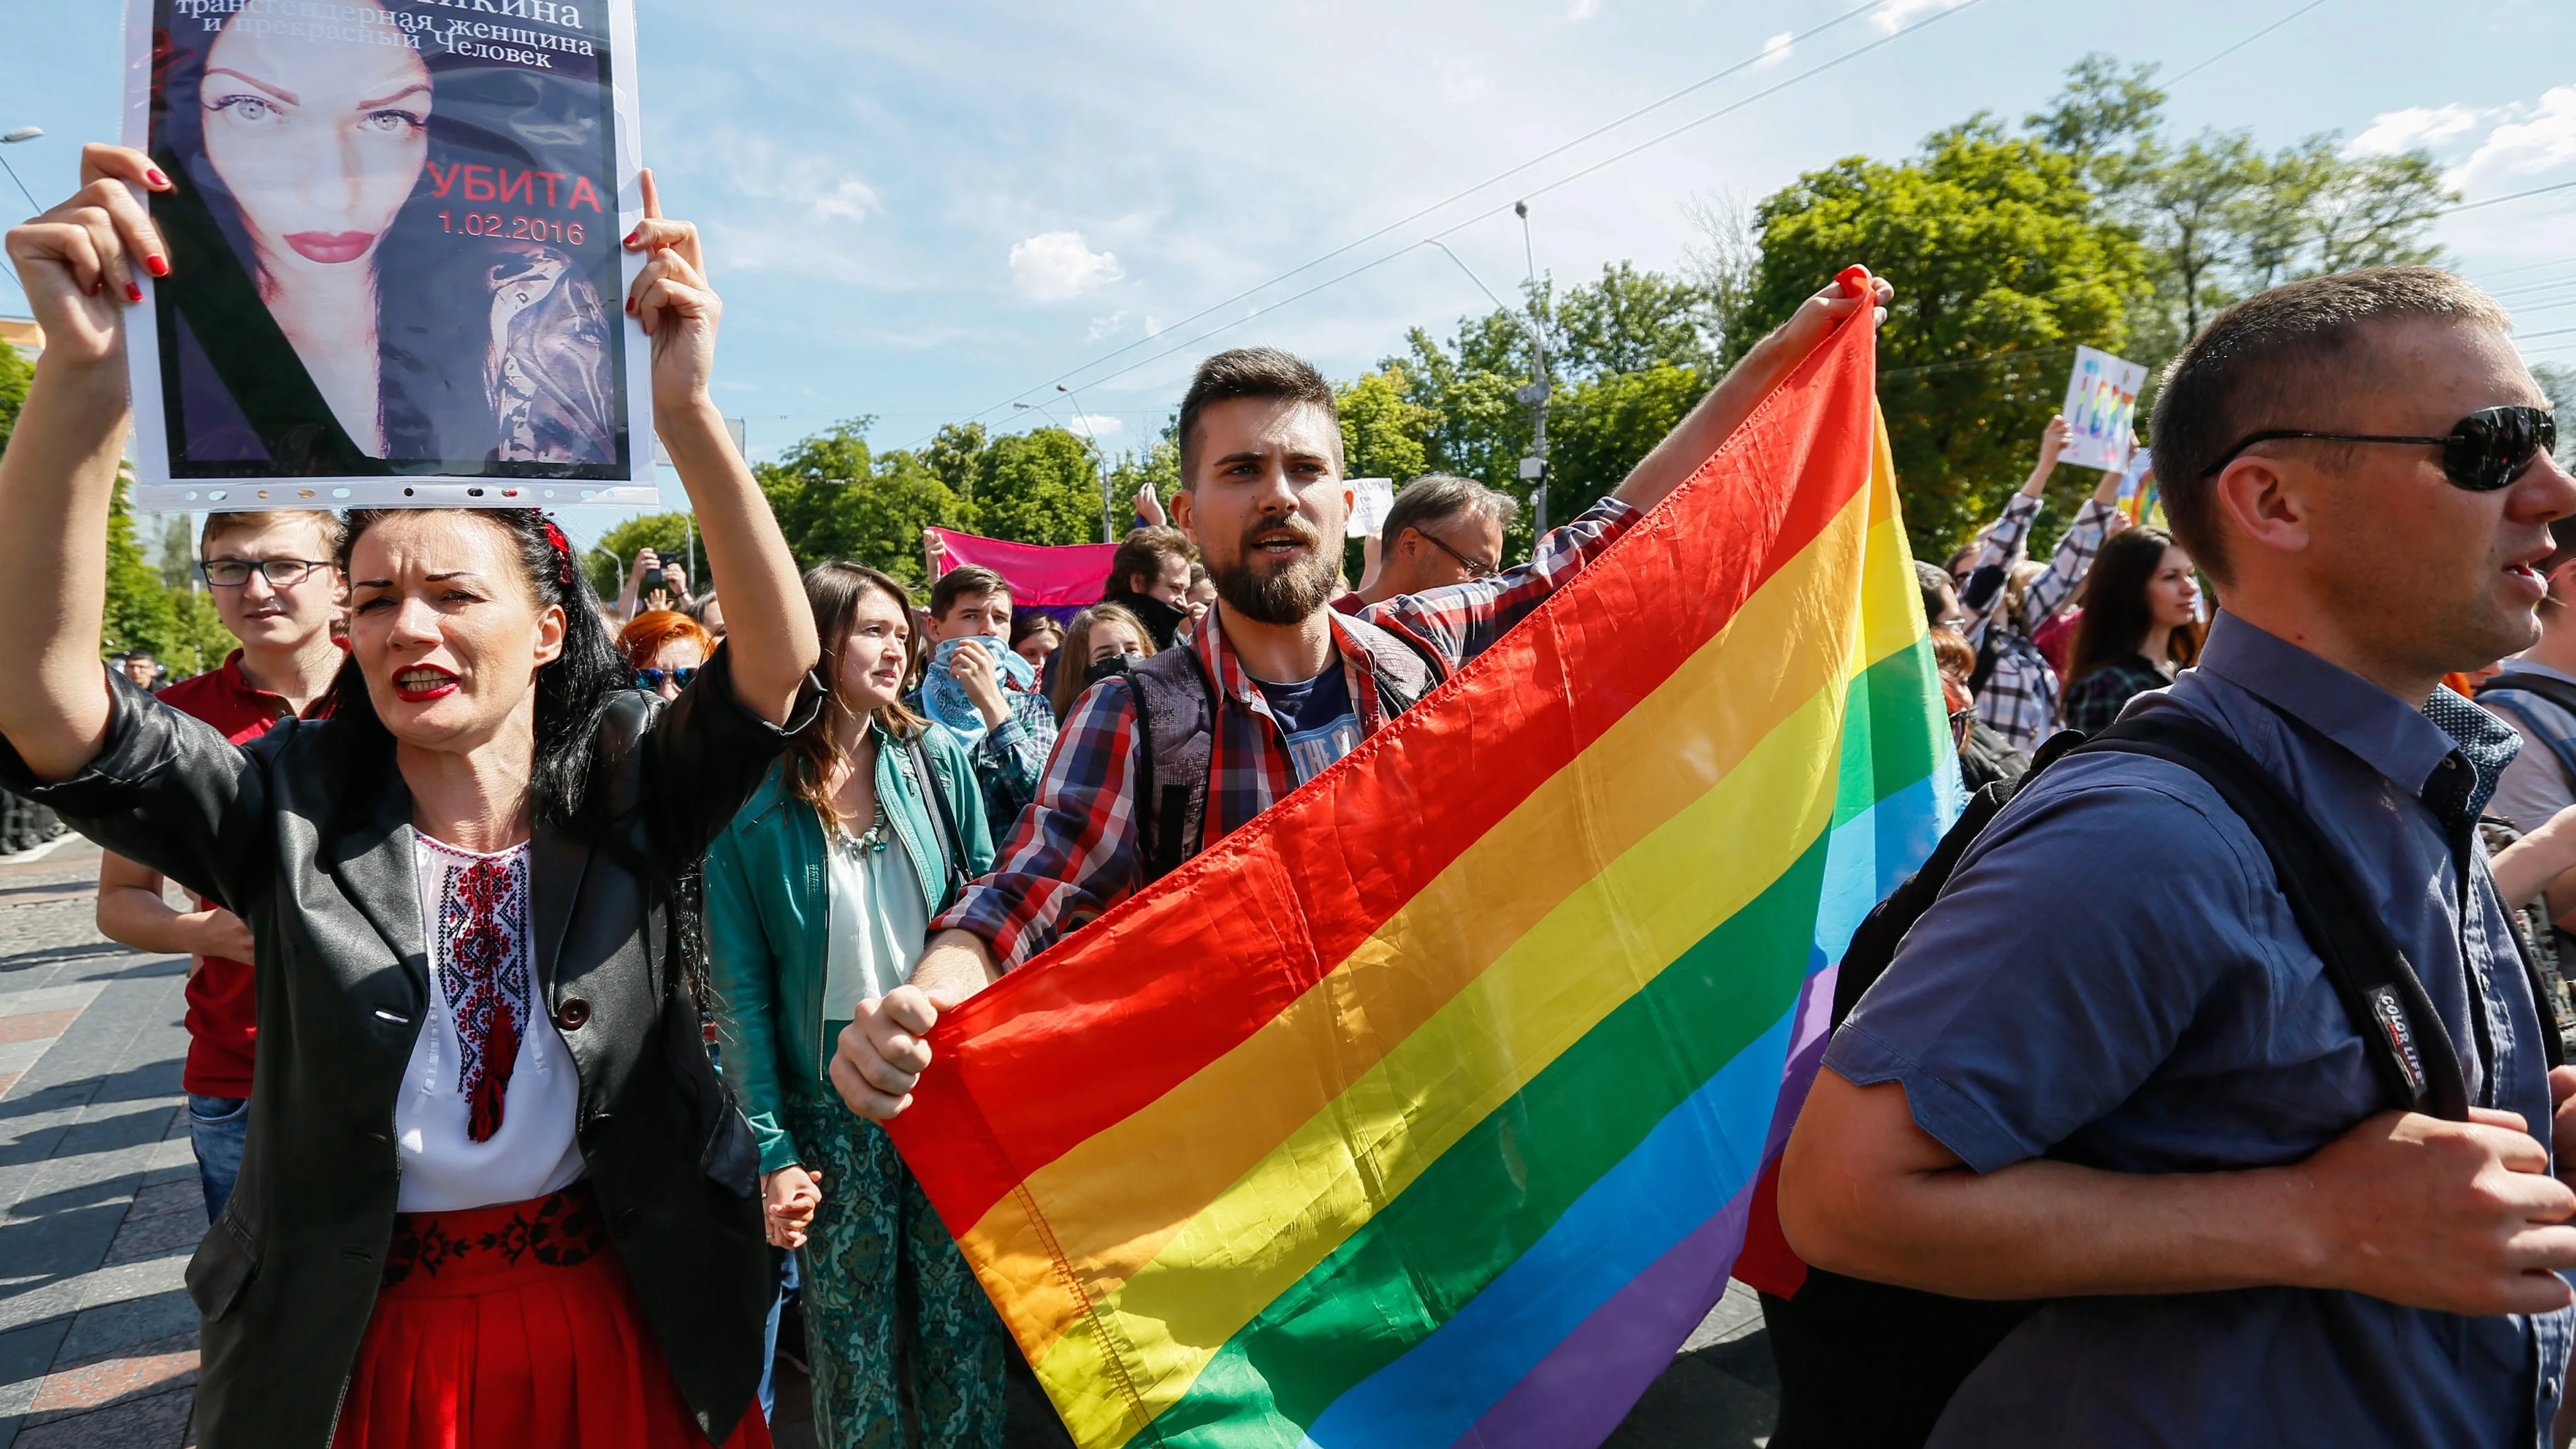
point(99, 1209)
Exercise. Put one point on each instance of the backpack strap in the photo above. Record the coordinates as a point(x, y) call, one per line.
point(1175, 704)
point(951, 840)
point(2555, 691)
point(1404, 667)
point(2412, 1052)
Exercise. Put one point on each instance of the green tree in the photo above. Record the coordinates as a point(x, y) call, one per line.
point(1158, 468)
point(1597, 431)
point(1040, 487)
point(1385, 432)
point(15, 373)
point(139, 612)
point(667, 534)
point(836, 500)
point(1998, 254)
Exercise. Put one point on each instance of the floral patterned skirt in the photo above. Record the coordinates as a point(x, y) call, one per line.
point(514, 1326)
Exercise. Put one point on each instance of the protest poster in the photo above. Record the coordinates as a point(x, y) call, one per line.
point(2102, 408)
point(2137, 486)
point(1370, 500)
point(396, 271)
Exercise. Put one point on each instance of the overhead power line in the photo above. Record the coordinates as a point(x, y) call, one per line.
point(2501, 200)
point(1497, 210)
point(2249, 40)
point(1503, 175)
point(1597, 131)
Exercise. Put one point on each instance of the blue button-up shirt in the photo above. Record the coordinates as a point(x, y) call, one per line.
point(2112, 978)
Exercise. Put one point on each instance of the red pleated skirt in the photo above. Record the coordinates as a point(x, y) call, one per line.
point(513, 1327)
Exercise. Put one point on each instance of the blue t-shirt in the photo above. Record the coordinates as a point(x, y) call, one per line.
point(1317, 718)
point(2112, 978)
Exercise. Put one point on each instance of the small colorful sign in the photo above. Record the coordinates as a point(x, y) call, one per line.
point(2102, 407)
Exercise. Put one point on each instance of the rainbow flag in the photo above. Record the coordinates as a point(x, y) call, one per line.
point(1426, 1108)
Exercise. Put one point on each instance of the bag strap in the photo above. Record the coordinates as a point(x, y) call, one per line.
point(2412, 1052)
point(1175, 705)
point(2556, 691)
point(951, 839)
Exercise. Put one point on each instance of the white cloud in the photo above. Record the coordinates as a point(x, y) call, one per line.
point(1902, 13)
point(1056, 266)
point(1109, 326)
point(1458, 80)
point(1093, 425)
point(2390, 132)
point(1584, 10)
point(850, 200)
point(1774, 50)
point(2539, 138)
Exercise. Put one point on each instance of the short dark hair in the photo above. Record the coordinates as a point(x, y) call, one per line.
point(1142, 551)
point(2257, 361)
point(966, 581)
point(1438, 497)
point(1258, 372)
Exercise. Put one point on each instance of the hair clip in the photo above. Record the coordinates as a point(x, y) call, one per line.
point(563, 552)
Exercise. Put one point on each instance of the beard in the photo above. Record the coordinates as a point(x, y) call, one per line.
point(1283, 591)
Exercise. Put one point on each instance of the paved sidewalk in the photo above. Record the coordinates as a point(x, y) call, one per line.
point(99, 1208)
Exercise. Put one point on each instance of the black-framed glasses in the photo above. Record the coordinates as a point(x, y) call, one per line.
point(650, 680)
point(2483, 452)
point(281, 573)
point(1476, 568)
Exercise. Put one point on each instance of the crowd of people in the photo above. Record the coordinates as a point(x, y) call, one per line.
point(555, 962)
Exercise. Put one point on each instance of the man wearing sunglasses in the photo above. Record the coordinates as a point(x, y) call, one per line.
point(277, 590)
point(2107, 1070)
point(1441, 531)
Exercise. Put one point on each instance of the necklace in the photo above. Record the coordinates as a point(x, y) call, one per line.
point(873, 840)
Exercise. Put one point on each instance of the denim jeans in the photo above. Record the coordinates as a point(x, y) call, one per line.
point(217, 1127)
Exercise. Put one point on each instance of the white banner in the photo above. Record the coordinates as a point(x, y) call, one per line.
point(2102, 407)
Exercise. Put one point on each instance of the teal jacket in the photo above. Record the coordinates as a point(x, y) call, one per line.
point(769, 917)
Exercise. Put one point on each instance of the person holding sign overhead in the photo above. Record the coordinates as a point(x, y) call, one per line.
point(483, 1093)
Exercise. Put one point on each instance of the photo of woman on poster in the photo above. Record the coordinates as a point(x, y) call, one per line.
point(417, 241)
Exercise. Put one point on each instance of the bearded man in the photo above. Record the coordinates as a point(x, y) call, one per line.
point(1271, 689)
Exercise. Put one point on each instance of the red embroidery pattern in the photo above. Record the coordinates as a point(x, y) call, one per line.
point(565, 1231)
point(482, 919)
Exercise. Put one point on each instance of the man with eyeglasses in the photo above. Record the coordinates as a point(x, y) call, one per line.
point(1441, 531)
point(2106, 1070)
point(277, 590)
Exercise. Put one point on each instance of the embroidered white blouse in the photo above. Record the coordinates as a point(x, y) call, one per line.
point(489, 1099)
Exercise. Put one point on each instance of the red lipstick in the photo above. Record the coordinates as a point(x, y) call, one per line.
point(421, 683)
point(331, 247)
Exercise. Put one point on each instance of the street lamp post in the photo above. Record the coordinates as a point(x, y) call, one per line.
point(1534, 467)
point(12, 138)
point(1099, 460)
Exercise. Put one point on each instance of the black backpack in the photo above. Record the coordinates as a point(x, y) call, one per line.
point(1176, 720)
point(1871, 1366)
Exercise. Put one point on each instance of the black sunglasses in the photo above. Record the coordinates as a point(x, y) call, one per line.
point(650, 680)
point(2485, 451)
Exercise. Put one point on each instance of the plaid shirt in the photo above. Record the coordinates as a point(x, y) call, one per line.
point(2019, 700)
point(1073, 855)
point(1011, 757)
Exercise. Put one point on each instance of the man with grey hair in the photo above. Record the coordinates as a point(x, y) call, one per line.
point(2108, 1072)
point(1442, 530)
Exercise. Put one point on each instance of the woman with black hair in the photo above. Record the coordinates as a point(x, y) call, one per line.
point(494, 1192)
point(2141, 623)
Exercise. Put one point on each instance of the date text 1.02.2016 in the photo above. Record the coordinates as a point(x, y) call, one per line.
point(511, 228)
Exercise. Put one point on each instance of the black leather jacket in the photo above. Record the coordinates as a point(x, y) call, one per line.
point(302, 833)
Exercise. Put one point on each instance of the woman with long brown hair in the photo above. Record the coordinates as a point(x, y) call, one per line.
point(819, 896)
point(2141, 624)
point(1103, 637)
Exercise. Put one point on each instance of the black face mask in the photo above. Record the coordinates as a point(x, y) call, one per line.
point(1114, 665)
point(1160, 619)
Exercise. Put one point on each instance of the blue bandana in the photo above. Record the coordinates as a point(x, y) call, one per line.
point(944, 699)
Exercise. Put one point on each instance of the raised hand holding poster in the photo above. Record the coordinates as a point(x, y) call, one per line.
point(2102, 407)
point(396, 272)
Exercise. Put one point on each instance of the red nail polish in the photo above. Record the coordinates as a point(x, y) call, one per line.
point(154, 177)
point(632, 235)
point(630, 304)
point(133, 293)
point(159, 266)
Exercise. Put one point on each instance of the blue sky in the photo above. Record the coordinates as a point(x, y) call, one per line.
point(920, 212)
